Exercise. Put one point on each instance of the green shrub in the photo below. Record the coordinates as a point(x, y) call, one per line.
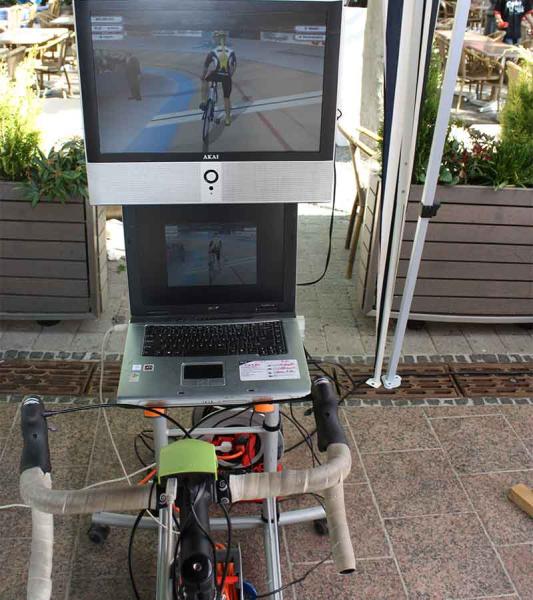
point(61, 174)
point(19, 109)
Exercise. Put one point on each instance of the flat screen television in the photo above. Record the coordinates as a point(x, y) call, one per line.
point(209, 100)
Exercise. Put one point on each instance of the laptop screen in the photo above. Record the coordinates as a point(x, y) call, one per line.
point(210, 259)
point(207, 254)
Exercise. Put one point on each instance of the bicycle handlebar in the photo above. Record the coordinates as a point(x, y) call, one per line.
point(35, 482)
point(35, 449)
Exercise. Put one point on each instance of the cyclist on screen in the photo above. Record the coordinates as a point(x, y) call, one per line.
point(219, 66)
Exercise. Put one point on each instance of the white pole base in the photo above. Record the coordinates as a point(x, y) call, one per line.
point(374, 382)
point(394, 382)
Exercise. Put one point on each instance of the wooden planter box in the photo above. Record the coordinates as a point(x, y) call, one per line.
point(477, 264)
point(52, 258)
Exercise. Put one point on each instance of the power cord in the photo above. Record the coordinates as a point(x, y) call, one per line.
point(331, 220)
point(295, 581)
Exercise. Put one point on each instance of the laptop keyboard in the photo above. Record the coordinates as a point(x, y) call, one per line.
point(262, 338)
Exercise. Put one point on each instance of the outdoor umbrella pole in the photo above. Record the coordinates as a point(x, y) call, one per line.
point(429, 206)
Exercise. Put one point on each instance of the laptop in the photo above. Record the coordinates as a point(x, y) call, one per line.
point(212, 295)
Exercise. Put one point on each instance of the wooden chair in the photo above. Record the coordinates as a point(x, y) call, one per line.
point(477, 69)
point(52, 12)
point(357, 149)
point(12, 58)
point(51, 57)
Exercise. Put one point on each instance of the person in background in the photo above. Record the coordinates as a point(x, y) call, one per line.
point(509, 15)
point(490, 23)
point(133, 75)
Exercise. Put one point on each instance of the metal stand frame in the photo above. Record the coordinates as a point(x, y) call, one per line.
point(270, 519)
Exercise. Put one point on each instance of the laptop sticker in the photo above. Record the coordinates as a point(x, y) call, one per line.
point(265, 370)
point(148, 367)
point(134, 377)
point(136, 367)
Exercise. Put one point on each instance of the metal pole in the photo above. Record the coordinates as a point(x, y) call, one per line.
point(392, 379)
point(270, 517)
point(402, 97)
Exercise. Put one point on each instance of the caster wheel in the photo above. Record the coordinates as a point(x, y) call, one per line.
point(321, 526)
point(98, 533)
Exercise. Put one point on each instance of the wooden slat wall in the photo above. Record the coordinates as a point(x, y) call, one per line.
point(43, 256)
point(478, 257)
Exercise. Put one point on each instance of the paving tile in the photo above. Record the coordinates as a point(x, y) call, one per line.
point(110, 559)
point(414, 483)
point(117, 588)
point(7, 415)
point(461, 411)
point(19, 340)
point(504, 521)
point(372, 580)
point(418, 342)
point(521, 420)
point(14, 558)
point(483, 339)
point(378, 429)
point(51, 340)
point(518, 561)
point(365, 527)
point(481, 444)
point(343, 340)
point(447, 556)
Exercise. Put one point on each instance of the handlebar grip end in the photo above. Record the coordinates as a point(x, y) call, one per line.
point(35, 450)
point(326, 411)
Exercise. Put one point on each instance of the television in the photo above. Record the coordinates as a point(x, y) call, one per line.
point(208, 101)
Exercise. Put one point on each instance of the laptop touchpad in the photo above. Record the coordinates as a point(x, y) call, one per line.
point(203, 374)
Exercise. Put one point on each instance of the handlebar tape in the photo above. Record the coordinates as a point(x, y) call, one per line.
point(35, 451)
point(325, 407)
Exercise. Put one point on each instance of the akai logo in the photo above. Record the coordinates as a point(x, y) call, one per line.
point(211, 156)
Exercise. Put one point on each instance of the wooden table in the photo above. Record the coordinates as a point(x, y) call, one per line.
point(63, 21)
point(30, 36)
point(479, 42)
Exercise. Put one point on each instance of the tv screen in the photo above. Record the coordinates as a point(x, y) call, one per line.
point(237, 76)
point(208, 254)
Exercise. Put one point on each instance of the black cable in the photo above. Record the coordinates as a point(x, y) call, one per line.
point(303, 434)
point(130, 554)
point(295, 581)
point(132, 536)
point(228, 549)
point(330, 233)
point(136, 450)
point(331, 221)
point(307, 436)
point(155, 411)
point(142, 437)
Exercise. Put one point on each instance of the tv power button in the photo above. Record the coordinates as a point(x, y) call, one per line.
point(211, 176)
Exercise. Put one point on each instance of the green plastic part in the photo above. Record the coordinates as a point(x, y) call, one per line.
point(187, 456)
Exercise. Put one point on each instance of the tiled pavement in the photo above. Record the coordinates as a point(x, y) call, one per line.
point(426, 501)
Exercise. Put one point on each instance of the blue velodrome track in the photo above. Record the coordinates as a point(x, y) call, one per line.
point(160, 139)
